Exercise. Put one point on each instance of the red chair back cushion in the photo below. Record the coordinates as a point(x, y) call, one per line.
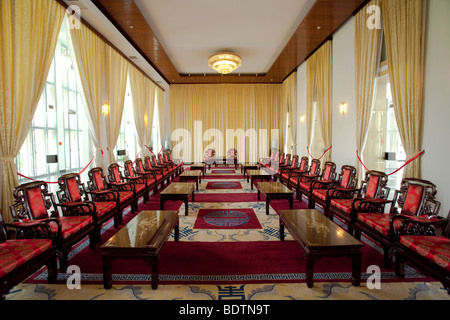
point(294, 162)
point(98, 180)
point(130, 170)
point(413, 199)
point(372, 187)
point(327, 173)
point(72, 187)
point(36, 203)
point(313, 168)
point(141, 166)
point(116, 174)
point(345, 178)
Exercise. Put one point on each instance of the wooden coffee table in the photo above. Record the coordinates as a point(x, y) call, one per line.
point(191, 175)
point(258, 175)
point(275, 190)
point(248, 166)
point(320, 237)
point(142, 238)
point(199, 166)
point(177, 191)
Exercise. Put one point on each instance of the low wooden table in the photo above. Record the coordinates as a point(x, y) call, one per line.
point(199, 166)
point(258, 175)
point(177, 191)
point(248, 166)
point(320, 237)
point(191, 175)
point(142, 238)
point(275, 190)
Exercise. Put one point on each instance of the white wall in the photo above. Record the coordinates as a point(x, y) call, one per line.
point(436, 119)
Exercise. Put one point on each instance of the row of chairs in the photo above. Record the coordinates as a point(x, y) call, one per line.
point(47, 229)
point(411, 220)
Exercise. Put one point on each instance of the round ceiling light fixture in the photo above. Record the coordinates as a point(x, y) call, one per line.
point(224, 63)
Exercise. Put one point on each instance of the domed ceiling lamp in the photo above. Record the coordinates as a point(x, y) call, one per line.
point(224, 63)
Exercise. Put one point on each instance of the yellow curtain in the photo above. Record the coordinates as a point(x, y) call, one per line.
point(318, 77)
point(290, 102)
point(90, 54)
point(117, 83)
point(160, 106)
point(366, 55)
point(323, 78)
point(248, 117)
point(28, 35)
point(403, 26)
point(143, 92)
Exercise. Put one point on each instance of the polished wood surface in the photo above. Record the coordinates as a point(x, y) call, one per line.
point(328, 14)
point(192, 175)
point(142, 238)
point(317, 230)
point(178, 191)
point(178, 188)
point(273, 188)
point(146, 230)
point(319, 237)
point(258, 175)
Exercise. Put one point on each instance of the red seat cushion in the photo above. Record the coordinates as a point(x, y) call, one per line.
point(71, 225)
point(381, 221)
point(103, 207)
point(14, 253)
point(435, 249)
point(305, 185)
point(320, 193)
point(285, 175)
point(342, 204)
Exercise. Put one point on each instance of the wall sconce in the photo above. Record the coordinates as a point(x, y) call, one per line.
point(302, 118)
point(105, 109)
point(343, 108)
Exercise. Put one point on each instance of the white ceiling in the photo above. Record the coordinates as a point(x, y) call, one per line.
point(190, 31)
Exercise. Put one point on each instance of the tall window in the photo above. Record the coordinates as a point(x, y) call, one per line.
point(58, 141)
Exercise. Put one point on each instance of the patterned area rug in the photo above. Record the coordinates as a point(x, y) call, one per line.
point(227, 219)
point(233, 185)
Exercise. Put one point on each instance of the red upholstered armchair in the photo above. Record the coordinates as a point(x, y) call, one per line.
point(177, 165)
point(298, 177)
point(285, 170)
point(34, 203)
point(209, 157)
point(346, 203)
point(232, 157)
point(158, 173)
point(143, 175)
point(284, 162)
point(328, 176)
point(141, 186)
point(302, 167)
point(346, 181)
point(164, 169)
point(266, 162)
point(419, 243)
point(72, 194)
point(31, 249)
point(101, 190)
point(171, 168)
point(415, 199)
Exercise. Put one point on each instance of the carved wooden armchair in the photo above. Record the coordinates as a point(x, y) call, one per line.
point(347, 203)
point(266, 162)
point(415, 199)
point(209, 157)
point(143, 175)
point(286, 169)
point(309, 182)
point(31, 249)
point(284, 162)
point(232, 157)
point(301, 168)
point(178, 165)
point(140, 185)
point(424, 247)
point(72, 194)
point(34, 203)
point(171, 168)
point(298, 177)
point(346, 181)
point(100, 189)
point(158, 173)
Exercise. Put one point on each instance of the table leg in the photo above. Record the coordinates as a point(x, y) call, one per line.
point(309, 271)
point(252, 181)
point(107, 272)
point(161, 201)
point(356, 269)
point(291, 202)
point(177, 232)
point(186, 204)
point(155, 272)
point(267, 204)
point(281, 231)
point(259, 195)
point(196, 182)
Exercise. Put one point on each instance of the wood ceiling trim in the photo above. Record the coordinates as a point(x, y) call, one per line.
point(328, 14)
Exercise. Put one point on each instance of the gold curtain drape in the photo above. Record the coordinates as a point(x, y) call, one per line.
point(117, 84)
point(143, 92)
point(366, 58)
point(90, 54)
point(160, 106)
point(318, 77)
point(248, 117)
point(403, 29)
point(28, 36)
point(290, 103)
